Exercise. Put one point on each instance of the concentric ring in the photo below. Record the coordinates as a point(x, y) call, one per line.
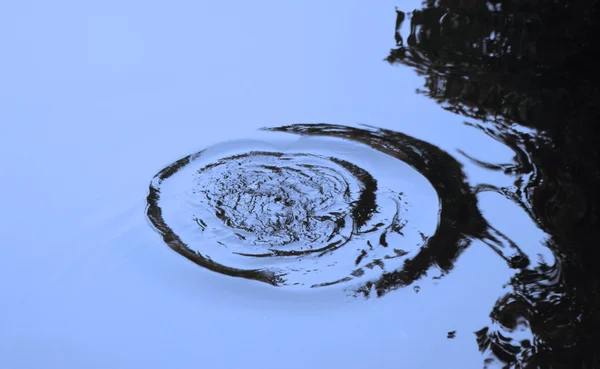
point(367, 207)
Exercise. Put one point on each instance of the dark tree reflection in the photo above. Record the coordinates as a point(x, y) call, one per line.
point(511, 63)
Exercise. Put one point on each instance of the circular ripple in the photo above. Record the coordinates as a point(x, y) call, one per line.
point(322, 211)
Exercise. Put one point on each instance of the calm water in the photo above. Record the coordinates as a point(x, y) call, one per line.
point(323, 192)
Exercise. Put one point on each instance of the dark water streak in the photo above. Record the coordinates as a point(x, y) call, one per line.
point(460, 219)
point(510, 64)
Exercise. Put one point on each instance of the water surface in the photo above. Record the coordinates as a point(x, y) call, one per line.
point(444, 228)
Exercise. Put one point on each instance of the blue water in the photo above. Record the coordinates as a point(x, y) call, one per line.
point(96, 98)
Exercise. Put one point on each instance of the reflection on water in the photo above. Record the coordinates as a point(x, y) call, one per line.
point(371, 210)
point(510, 67)
point(460, 220)
point(300, 219)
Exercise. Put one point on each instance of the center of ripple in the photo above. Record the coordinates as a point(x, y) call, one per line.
point(275, 200)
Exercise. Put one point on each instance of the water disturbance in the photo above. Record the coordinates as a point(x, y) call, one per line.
point(459, 231)
point(329, 214)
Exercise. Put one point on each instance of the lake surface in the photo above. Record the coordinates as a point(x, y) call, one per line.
point(294, 185)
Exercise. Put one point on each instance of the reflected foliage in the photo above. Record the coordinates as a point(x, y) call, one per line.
point(511, 65)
